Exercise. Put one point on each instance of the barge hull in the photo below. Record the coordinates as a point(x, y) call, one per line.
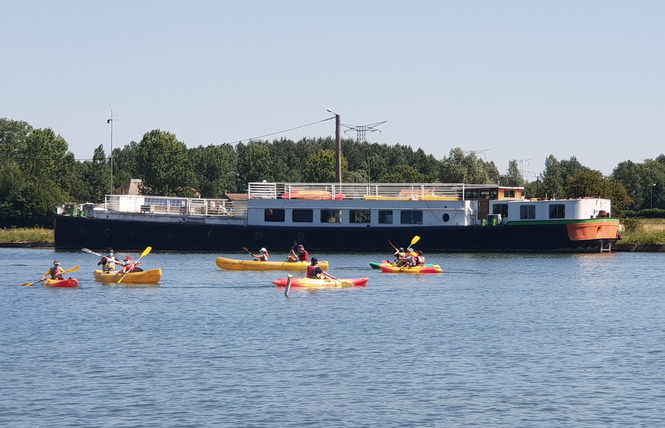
point(74, 233)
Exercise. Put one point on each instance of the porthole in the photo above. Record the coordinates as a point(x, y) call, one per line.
point(258, 235)
point(446, 217)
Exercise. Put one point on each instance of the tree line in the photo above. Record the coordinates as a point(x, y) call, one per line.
point(39, 173)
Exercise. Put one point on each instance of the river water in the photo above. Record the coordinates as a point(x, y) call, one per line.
point(496, 340)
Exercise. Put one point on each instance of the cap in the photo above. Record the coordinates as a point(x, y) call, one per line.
point(410, 249)
point(314, 260)
point(263, 250)
point(56, 262)
point(401, 248)
point(300, 246)
point(128, 258)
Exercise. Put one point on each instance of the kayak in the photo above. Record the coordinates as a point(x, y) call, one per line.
point(312, 194)
point(67, 282)
point(376, 265)
point(144, 277)
point(391, 268)
point(234, 264)
point(322, 283)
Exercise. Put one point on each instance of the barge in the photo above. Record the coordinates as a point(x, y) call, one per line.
point(333, 217)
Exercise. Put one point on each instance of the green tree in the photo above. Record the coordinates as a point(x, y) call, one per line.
point(402, 174)
point(162, 160)
point(321, 167)
point(12, 139)
point(215, 169)
point(254, 163)
point(514, 176)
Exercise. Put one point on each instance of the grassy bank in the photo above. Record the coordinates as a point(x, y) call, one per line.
point(643, 231)
point(26, 235)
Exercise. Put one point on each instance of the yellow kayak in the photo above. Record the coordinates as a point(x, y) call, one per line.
point(145, 277)
point(234, 264)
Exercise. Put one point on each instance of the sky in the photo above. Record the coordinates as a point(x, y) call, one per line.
point(508, 80)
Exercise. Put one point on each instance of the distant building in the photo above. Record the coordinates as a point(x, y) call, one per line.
point(132, 188)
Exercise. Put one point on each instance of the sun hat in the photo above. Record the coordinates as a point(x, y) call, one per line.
point(263, 250)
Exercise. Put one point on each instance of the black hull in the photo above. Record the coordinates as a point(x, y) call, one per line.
point(74, 233)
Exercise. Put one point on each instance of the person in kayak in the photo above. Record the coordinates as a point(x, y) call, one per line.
point(400, 257)
point(314, 271)
point(131, 266)
point(263, 255)
point(109, 261)
point(56, 271)
point(411, 257)
point(300, 255)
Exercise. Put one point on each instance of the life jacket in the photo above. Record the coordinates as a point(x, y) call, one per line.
point(110, 264)
point(311, 271)
point(55, 272)
point(303, 256)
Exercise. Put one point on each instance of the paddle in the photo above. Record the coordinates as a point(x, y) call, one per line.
point(144, 253)
point(414, 240)
point(85, 250)
point(288, 255)
point(75, 268)
point(247, 251)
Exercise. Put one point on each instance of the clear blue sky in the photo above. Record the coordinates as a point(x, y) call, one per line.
point(509, 79)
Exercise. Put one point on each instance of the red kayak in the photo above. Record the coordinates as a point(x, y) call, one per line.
point(322, 282)
point(68, 282)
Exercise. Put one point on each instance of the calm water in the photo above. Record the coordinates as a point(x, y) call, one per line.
point(497, 340)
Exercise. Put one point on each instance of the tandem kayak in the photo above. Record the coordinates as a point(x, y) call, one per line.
point(391, 268)
point(144, 277)
point(322, 283)
point(69, 282)
point(234, 264)
point(377, 265)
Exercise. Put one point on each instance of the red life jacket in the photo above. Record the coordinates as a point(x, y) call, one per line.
point(311, 271)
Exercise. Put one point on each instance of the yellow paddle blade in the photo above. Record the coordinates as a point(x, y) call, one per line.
point(146, 251)
point(75, 268)
point(414, 240)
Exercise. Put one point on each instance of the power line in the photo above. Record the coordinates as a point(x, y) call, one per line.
point(281, 132)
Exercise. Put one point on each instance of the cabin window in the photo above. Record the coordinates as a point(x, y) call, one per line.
point(508, 193)
point(302, 216)
point(527, 212)
point(385, 217)
point(274, 215)
point(331, 216)
point(557, 211)
point(411, 217)
point(493, 194)
point(359, 216)
point(471, 194)
point(500, 209)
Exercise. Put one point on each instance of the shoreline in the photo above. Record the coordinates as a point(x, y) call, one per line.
point(619, 248)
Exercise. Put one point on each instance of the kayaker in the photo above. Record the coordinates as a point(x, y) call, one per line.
point(263, 255)
point(314, 271)
point(400, 257)
point(56, 271)
point(411, 257)
point(130, 266)
point(108, 262)
point(301, 255)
